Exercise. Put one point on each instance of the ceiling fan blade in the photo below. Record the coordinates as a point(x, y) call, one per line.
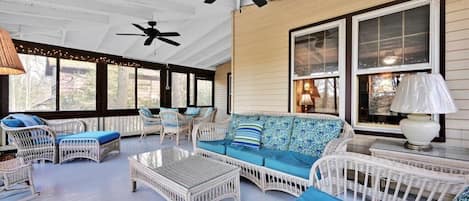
point(168, 34)
point(139, 27)
point(169, 41)
point(260, 3)
point(209, 1)
point(128, 34)
point(148, 41)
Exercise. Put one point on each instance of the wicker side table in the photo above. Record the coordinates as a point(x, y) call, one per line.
point(443, 159)
point(180, 176)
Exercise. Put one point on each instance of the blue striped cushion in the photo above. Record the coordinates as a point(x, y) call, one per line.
point(248, 134)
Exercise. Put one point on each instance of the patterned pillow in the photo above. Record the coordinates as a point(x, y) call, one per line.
point(146, 112)
point(192, 111)
point(248, 134)
point(277, 131)
point(235, 119)
point(310, 136)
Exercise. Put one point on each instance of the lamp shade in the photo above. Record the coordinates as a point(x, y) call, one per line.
point(423, 93)
point(306, 100)
point(10, 63)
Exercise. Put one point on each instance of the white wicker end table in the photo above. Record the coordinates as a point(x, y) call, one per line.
point(178, 175)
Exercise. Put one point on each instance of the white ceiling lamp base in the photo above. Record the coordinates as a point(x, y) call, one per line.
point(420, 130)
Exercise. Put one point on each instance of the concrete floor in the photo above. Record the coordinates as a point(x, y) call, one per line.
point(83, 180)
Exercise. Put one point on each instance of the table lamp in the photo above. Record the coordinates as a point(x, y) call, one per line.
point(421, 95)
point(305, 101)
point(10, 63)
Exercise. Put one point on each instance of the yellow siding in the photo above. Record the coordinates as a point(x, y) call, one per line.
point(457, 70)
point(260, 55)
point(221, 89)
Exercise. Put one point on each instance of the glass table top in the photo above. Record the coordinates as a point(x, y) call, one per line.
point(158, 158)
point(448, 152)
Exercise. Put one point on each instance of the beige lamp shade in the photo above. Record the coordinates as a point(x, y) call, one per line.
point(306, 100)
point(423, 93)
point(10, 63)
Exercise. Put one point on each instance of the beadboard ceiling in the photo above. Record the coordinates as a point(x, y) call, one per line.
point(92, 24)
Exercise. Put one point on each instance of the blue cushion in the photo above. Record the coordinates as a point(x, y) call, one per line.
point(146, 112)
point(313, 194)
point(310, 136)
point(164, 109)
point(235, 119)
point(151, 123)
point(277, 131)
point(248, 134)
point(13, 123)
point(464, 196)
point(102, 136)
point(208, 111)
point(291, 163)
point(38, 120)
point(192, 111)
point(254, 156)
point(218, 146)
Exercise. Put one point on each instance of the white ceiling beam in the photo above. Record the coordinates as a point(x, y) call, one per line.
point(191, 37)
point(33, 21)
point(215, 35)
point(166, 5)
point(141, 12)
point(221, 47)
point(221, 57)
point(215, 47)
point(38, 10)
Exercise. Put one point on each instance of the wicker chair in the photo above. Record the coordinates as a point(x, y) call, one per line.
point(208, 116)
point(15, 171)
point(353, 176)
point(174, 123)
point(151, 124)
point(39, 142)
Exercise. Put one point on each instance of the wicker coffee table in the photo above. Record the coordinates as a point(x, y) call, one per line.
point(178, 175)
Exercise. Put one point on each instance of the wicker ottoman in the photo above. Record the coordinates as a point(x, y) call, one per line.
point(94, 145)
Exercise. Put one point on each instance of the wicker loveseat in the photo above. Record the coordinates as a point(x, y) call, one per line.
point(291, 143)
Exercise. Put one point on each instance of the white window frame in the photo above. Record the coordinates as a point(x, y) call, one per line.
point(433, 64)
point(341, 61)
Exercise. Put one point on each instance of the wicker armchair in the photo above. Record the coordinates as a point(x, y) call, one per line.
point(208, 116)
point(151, 124)
point(353, 176)
point(15, 171)
point(174, 123)
point(39, 142)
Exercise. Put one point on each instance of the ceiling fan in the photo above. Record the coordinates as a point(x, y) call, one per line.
point(152, 33)
point(259, 3)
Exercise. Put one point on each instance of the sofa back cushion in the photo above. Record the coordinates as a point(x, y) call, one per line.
point(310, 136)
point(277, 132)
point(248, 134)
point(235, 119)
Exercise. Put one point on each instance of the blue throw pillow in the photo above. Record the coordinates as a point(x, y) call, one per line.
point(248, 134)
point(235, 120)
point(13, 123)
point(192, 111)
point(464, 196)
point(38, 120)
point(165, 109)
point(146, 112)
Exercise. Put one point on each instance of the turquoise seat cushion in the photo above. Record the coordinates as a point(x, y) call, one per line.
point(291, 163)
point(146, 112)
point(218, 146)
point(248, 134)
point(277, 131)
point(13, 123)
point(235, 119)
point(102, 136)
point(313, 194)
point(164, 109)
point(253, 156)
point(310, 136)
point(464, 196)
point(152, 123)
point(192, 111)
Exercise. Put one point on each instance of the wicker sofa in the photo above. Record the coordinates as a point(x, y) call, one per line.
point(290, 145)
